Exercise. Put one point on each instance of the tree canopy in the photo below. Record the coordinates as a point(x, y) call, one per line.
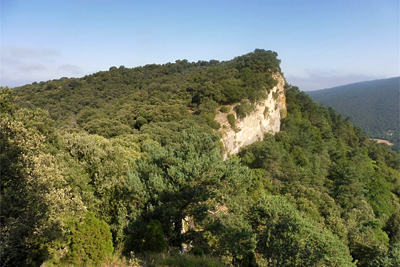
point(134, 153)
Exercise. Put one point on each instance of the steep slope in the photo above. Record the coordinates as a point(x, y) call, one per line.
point(264, 118)
point(372, 105)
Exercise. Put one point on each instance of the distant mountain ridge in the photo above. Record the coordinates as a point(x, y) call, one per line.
point(372, 105)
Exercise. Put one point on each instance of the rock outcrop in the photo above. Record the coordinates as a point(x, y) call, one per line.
point(263, 119)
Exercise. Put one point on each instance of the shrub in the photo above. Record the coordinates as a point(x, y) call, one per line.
point(209, 118)
point(283, 113)
point(224, 109)
point(208, 105)
point(266, 110)
point(140, 121)
point(154, 239)
point(90, 241)
point(244, 109)
point(232, 120)
point(215, 125)
point(275, 95)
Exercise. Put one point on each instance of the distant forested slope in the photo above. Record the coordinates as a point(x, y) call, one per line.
point(372, 105)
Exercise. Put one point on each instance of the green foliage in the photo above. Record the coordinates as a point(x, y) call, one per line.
point(275, 95)
point(135, 146)
point(271, 156)
point(122, 100)
point(189, 261)
point(259, 61)
point(283, 113)
point(319, 207)
point(140, 121)
point(215, 125)
point(209, 117)
point(368, 243)
point(392, 228)
point(90, 241)
point(393, 257)
point(225, 109)
point(154, 240)
point(192, 181)
point(249, 260)
point(372, 105)
point(243, 109)
point(107, 128)
point(95, 167)
point(35, 200)
point(330, 172)
point(7, 100)
point(232, 120)
point(287, 239)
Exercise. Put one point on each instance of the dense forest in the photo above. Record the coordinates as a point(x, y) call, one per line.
point(153, 99)
point(372, 105)
point(122, 167)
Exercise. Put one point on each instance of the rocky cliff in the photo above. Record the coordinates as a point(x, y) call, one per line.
point(264, 118)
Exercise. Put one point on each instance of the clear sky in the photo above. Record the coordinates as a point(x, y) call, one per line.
point(321, 43)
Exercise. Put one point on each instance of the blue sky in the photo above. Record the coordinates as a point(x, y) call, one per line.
point(321, 43)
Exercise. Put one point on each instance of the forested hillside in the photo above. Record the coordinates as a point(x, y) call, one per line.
point(372, 105)
point(155, 99)
point(120, 168)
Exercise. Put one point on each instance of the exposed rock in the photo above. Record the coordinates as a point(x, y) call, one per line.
point(265, 118)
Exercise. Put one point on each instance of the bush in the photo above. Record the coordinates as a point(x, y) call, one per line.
point(232, 120)
point(275, 95)
point(392, 259)
point(209, 118)
point(283, 113)
point(90, 241)
point(154, 239)
point(140, 121)
point(215, 125)
point(224, 109)
point(244, 109)
point(266, 110)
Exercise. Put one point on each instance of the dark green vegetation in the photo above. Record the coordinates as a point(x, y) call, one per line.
point(335, 178)
point(149, 174)
point(154, 240)
point(90, 241)
point(225, 109)
point(232, 120)
point(372, 105)
point(154, 99)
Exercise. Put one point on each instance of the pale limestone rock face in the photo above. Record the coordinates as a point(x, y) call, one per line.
point(265, 118)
